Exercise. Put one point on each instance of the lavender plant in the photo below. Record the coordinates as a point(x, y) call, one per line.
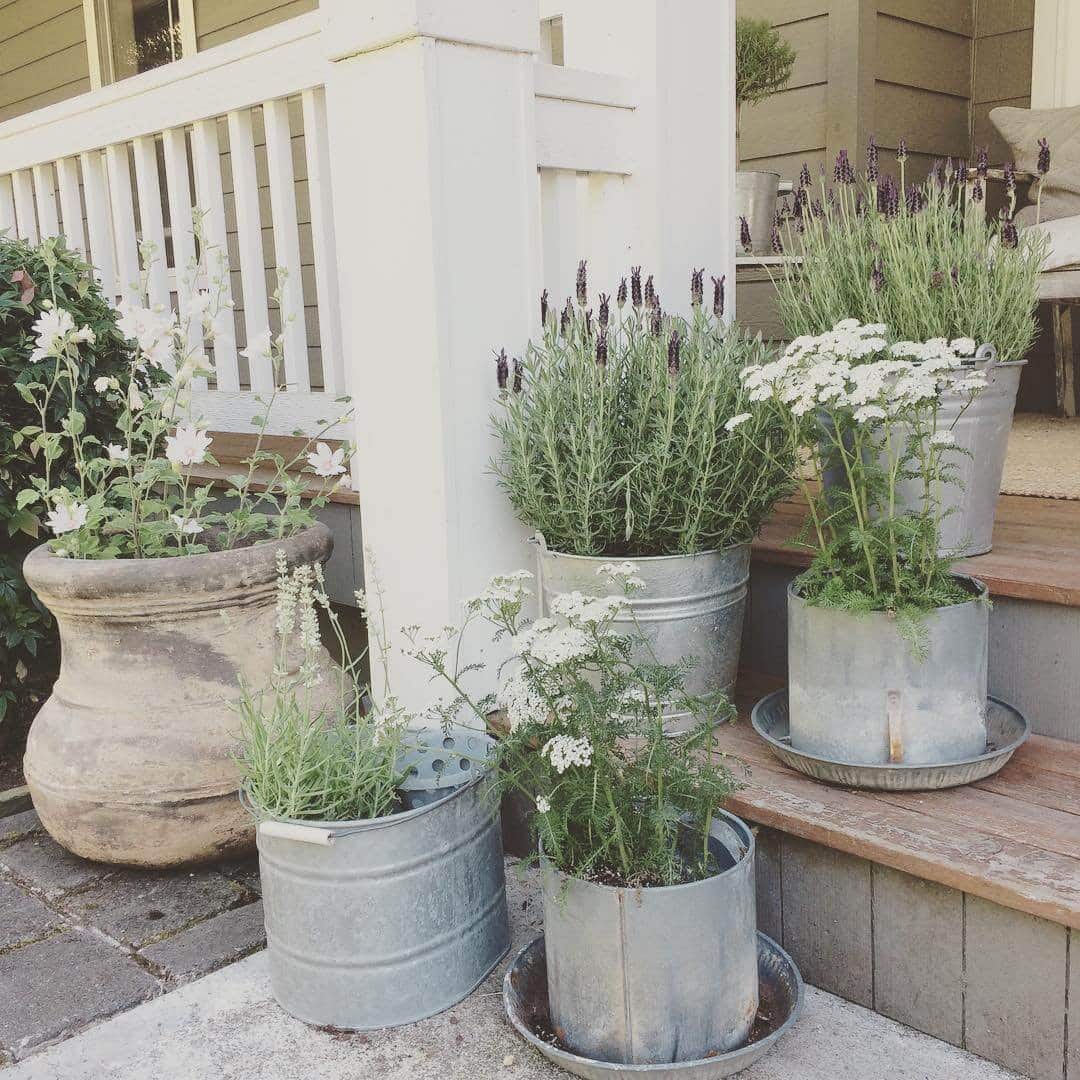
point(617, 800)
point(135, 497)
point(627, 431)
point(868, 413)
point(924, 259)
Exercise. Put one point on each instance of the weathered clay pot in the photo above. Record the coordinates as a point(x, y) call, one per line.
point(129, 759)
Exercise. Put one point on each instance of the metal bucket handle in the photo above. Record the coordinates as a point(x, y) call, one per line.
point(987, 352)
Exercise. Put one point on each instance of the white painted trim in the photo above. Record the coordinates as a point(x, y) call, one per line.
point(1055, 77)
point(294, 411)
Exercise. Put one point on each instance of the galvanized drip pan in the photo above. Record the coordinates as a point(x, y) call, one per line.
point(1006, 730)
point(525, 995)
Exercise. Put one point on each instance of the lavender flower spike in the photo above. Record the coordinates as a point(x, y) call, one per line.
point(777, 243)
point(877, 277)
point(744, 235)
point(601, 348)
point(502, 369)
point(1010, 237)
point(673, 350)
point(982, 163)
point(620, 295)
point(604, 315)
point(519, 368)
point(1044, 157)
point(901, 150)
point(697, 287)
point(651, 299)
point(872, 171)
point(544, 308)
point(635, 286)
point(718, 295)
point(582, 289)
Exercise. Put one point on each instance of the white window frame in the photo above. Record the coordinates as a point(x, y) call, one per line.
point(94, 32)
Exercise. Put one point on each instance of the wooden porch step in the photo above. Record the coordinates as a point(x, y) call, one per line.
point(1036, 553)
point(230, 448)
point(1013, 839)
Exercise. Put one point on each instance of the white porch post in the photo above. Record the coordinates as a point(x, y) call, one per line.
point(430, 110)
point(1055, 76)
point(683, 54)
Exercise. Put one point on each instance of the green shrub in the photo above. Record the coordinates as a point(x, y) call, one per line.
point(763, 61)
point(28, 276)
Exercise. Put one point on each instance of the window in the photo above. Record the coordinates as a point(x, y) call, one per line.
point(133, 36)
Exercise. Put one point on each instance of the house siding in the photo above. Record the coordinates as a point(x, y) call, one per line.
point(43, 55)
point(219, 21)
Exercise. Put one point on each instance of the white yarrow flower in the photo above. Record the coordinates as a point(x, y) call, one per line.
point(564, 752)
point(735, 421)
point(327, 462)
point(188, 446)
point(542, 804)
point(943, 438)
point(66, 517)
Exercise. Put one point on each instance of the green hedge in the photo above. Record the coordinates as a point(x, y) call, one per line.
point(30, 275)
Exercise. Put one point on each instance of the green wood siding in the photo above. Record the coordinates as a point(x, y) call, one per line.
point(219, 21)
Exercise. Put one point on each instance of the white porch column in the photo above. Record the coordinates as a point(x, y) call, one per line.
point(683, 54)
point(430, 110)
point(1055, 74)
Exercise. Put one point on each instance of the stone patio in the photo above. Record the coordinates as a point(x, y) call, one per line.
point(81, 941)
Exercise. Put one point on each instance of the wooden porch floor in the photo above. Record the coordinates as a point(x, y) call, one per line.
point(1036, 553)
point(1013, 838)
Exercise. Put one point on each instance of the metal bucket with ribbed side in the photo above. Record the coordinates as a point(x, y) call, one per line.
point(691, 606)
point(859, 693)
point(377, 923)
point(651, 976)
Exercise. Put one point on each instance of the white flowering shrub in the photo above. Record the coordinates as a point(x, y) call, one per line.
point(616, 800)
point(133, 496)
point(866, 412)
point(625, 431)
point(308, 750)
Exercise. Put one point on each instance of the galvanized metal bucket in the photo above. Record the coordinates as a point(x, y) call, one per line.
point(372, 924)
point(655, 975)
point(858, 693)
point(983, 432)
point(755, 200)
point(691, 606)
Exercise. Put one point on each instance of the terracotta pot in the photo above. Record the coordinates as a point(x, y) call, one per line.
point(129, 759)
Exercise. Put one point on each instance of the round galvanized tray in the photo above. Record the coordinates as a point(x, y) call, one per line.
point(779, 985)
point(1006, 730)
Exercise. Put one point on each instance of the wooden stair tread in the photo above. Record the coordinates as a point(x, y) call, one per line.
point(230, 448)
point(1013, 839)
point(1036, 553)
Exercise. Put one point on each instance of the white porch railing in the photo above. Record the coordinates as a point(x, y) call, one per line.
point(466, 177)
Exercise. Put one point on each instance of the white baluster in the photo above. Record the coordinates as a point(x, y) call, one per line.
point(559, 218)
point(25, 215)
point(99, 220)
point(123, 219)
point(206, 156)
point(45, 200)
point(323, 240)
point(286, 241)
point(148, 187)
point(178, 185)
point(249, 241)
point(67, 175)
point(7, 207)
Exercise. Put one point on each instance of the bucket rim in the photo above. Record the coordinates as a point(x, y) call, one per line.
point(748, 853)
point(545, 552)
point(360, 825)
point(982, 593)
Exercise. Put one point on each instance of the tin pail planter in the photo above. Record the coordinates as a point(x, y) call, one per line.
point(755, 200)
point(858, 692)
point(691, 606)
point(130, 760)
point(647, 976)
point(377, 923)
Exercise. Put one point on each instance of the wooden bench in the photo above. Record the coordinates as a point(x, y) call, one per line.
point(955, 912)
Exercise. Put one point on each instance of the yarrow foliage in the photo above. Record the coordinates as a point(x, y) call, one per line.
point(616, 799)
point(863, 411)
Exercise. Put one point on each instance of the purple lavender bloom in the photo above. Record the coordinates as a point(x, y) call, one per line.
point(544, 308)
point(977, 191)
point(937, 172)
point(635, 286)
point(697, 287)
point(567, 317)
point(1044, 157)
point(1010, 237)
point(843, 171)
point(1010, 178)
point(872, 171)
point(656, 319)
point(601, 348)
point(877, 277)
point(604, 316)
point(588, 323)
point(673, 350)
point(620, 295)
point(718, 295)
point(915, 200)
point(901, 149)
point(816, 209)
point(954, 273)
point(744, 235)
point(582, 287)
point(937, 279)
point(888, 197)
point(519, 368)
point(502, 369)
point(982, 163)
point(777, 243)
point(804, 176)
point(651, 299)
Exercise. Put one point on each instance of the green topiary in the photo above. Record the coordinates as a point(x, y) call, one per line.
point(29, 275)
point(763, 62)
